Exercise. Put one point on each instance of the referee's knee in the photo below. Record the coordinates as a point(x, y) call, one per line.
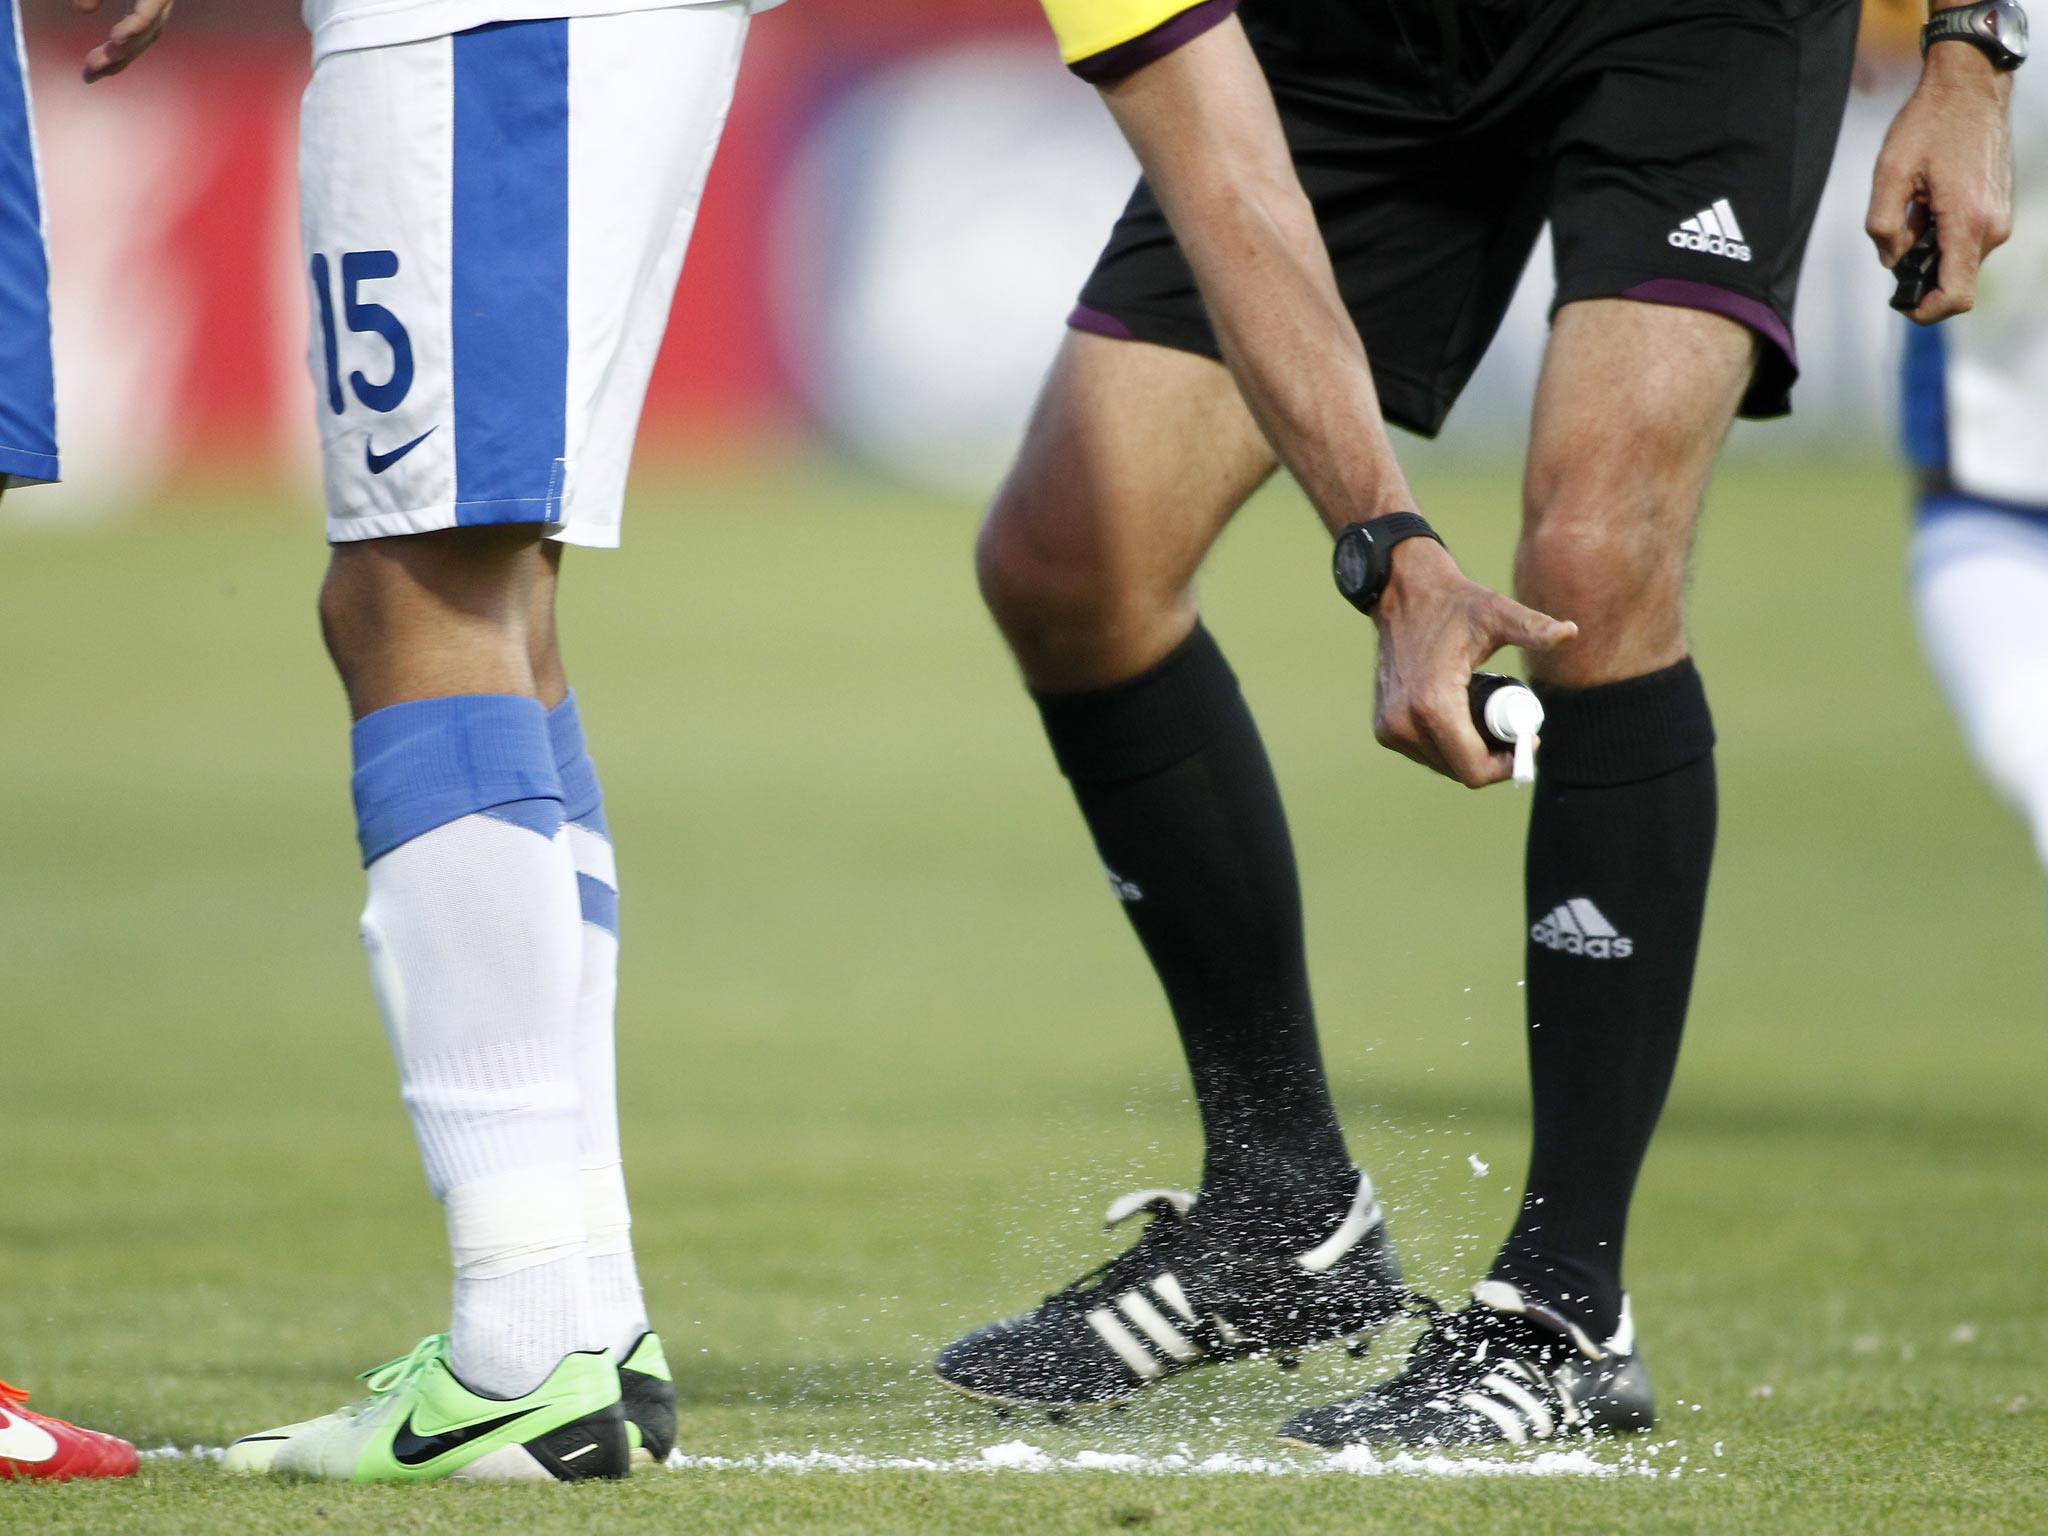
point(1071, 618)
point(1588, 538)
point(1031, 577)
point(1607, 549)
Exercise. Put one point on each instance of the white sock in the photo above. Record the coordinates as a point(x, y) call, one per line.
point(620, 1312)
point(619, 1309)
point(474, 939)
point(1980, 588)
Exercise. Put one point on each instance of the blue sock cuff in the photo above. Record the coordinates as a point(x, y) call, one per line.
point(424, 764)
point(582, 799)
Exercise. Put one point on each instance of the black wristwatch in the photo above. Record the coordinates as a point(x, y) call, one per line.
point(1364, 559)
point(1997, 27)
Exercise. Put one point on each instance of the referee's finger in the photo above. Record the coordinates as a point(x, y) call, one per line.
point(1459, 749)
point(1514, 624)
point(1888, 221)
point(1962, 251)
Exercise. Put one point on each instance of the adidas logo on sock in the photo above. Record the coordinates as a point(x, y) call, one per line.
point(1712, 231)
point(1578, 928)
point(1126, 890)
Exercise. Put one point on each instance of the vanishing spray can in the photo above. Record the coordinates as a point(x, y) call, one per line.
point(1507, 716)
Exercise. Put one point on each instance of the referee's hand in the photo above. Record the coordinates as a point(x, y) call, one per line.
point(1948, 155)
point(129, 38)
point(1436, 626)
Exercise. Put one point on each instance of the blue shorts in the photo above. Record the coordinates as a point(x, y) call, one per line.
point(28, 391)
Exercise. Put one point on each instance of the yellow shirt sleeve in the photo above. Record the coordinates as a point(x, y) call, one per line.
point(1086, 28)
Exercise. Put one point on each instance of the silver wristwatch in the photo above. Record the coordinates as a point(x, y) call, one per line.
point(1996, 27)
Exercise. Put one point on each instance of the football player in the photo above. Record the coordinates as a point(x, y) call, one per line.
point(1677, 152)
point(35, 1445)
point(496, 199)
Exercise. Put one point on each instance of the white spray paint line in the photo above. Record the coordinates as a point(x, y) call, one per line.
point(1022, 1456)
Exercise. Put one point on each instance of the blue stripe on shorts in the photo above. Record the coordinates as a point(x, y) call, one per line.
point(28, 388)
point(511, 272)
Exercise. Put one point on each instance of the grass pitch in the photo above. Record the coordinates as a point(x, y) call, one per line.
point(889, 1047)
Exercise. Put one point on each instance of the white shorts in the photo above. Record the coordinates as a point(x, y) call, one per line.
point(494, 225)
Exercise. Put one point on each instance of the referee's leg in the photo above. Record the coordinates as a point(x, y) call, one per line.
point(1632, 407)
point(1136, 459)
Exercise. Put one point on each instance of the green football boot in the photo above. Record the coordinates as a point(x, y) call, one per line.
point(647, 1392)
point(420, 1423)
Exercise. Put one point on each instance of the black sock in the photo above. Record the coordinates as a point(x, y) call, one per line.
point(1174, 783)
point(1621, 838)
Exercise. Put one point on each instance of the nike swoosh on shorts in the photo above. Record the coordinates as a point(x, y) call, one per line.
point(379, 462)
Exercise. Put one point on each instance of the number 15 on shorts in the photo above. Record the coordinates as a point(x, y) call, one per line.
point(349, 303)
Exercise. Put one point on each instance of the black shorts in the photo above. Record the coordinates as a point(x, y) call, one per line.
point(1676, 147)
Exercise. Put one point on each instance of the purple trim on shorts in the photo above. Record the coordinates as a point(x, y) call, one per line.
point(1096, 323)
point(1174, 32)
point(1754, 313)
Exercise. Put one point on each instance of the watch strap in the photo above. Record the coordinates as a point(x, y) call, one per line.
point(1981, 26)
point(1391, 528)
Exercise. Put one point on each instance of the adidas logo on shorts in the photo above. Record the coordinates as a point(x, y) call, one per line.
point(1712, 231)
point(1578, 928)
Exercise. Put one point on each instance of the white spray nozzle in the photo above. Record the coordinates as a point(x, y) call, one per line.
point(1515, 715)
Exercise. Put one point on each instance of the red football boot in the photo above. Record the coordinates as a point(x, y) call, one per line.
point(50, 1449)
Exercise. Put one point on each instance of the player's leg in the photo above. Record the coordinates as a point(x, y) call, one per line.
point(444, 434)
point(1980, 593)
point(652, 90)
point(33, 1446)
point(1140, 453)
point(472, 923)
point(1634, 403)
point(1676, 280)
point(619, 1310)
point(614, 1279)
point(522, 275)
point(1676, 272)
point(1136, 458)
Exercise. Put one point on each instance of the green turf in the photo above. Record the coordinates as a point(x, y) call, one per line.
point(890, 1048)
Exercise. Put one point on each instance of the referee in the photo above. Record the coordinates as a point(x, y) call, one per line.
point(1339, 198)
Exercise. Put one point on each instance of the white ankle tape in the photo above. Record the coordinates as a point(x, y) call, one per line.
point(498, 1226)
point(607, 1219)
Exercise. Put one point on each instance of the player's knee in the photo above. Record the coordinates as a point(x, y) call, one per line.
point(340, 607)
point(1577, 557)
point(466, 589)
point(1032, 583)
point(1594, 541)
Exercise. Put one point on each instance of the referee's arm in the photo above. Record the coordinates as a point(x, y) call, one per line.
point(1948, 157)
point(1202, 122)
